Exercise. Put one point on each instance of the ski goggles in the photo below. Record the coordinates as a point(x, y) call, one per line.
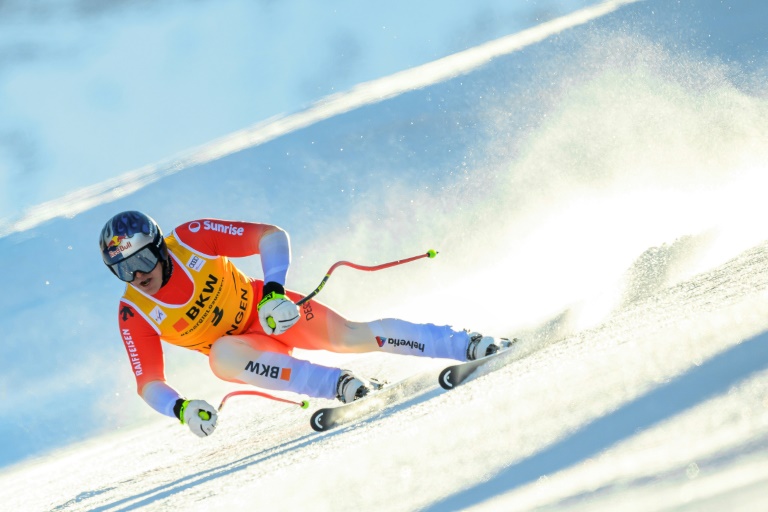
point(143, 261)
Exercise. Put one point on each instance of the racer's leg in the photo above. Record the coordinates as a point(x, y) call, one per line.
point(262, 361)
point(322, 328)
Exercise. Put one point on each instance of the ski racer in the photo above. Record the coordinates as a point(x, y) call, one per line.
point(184, 289)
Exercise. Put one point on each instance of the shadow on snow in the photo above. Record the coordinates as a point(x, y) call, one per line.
point(696, 386)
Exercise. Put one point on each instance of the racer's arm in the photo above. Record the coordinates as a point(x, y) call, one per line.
point(145, 354)
point(237, 239)
point(275, 251)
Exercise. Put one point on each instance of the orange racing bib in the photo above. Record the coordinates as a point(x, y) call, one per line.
point(220, 304)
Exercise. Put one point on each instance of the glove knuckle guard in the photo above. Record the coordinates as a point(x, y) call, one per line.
point(194, 412)
point(283, 313)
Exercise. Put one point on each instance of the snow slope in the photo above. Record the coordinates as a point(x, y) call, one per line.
point(145, 80)
point(597, 192)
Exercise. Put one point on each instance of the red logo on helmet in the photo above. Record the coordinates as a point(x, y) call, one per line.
point(381, 341)
point(115, 241)
point(116, 246)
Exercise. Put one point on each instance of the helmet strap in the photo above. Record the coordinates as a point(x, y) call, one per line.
point(167, 270)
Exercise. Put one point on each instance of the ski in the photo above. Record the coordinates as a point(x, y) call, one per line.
point(327, 418)
point(455, 374)
point(376, 401)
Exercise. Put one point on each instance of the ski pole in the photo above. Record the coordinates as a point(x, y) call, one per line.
point(303, 404)
point(429, 254)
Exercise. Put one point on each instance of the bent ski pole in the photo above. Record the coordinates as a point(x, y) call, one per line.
point(429, 254)
point(205, 415)
point(303, 404)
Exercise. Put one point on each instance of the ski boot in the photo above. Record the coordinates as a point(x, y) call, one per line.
point(351, 387)
point(482, 346)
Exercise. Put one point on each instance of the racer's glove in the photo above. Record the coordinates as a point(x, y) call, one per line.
point(198, 415)
point(277, 313)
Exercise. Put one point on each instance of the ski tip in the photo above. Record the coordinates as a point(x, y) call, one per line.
point(305, 404)
point(316, 421)
point(445, 379)
point(432, 253)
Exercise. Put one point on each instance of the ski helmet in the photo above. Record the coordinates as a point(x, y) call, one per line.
point(132, 242)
